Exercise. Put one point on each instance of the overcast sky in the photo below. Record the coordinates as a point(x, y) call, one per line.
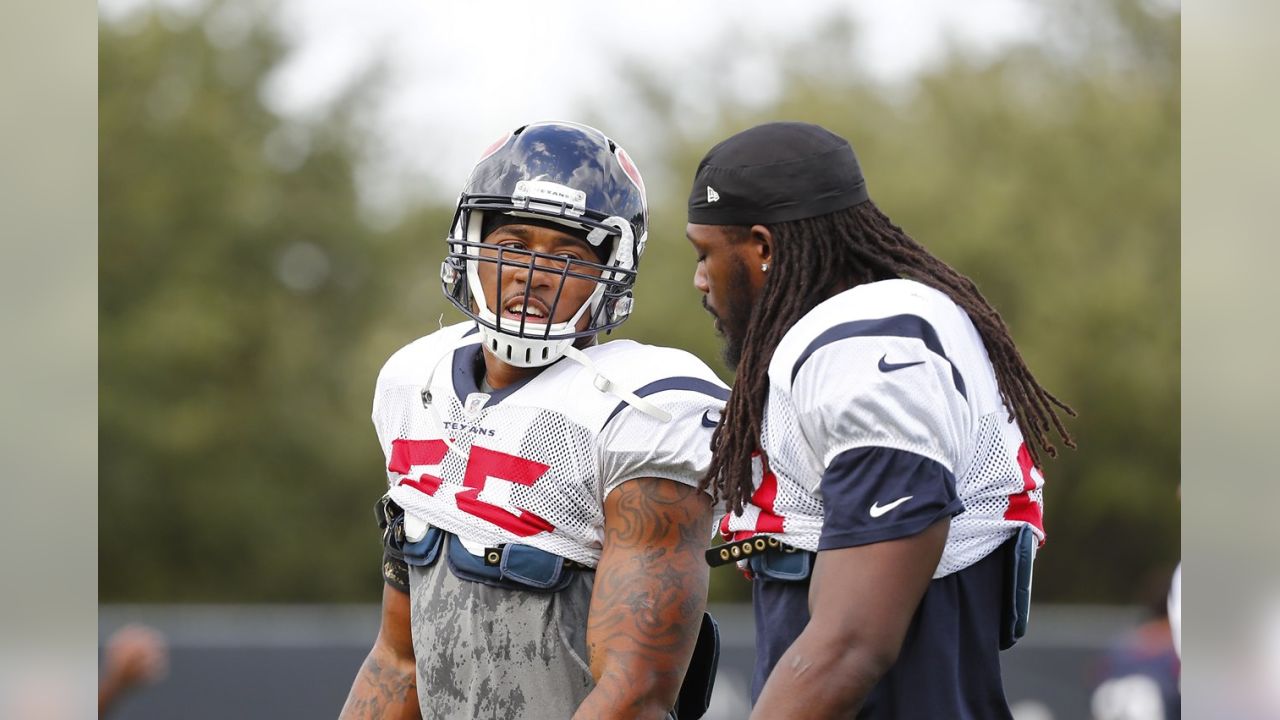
point(459, 74)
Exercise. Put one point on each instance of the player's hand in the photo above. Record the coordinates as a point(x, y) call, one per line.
point(135, 655)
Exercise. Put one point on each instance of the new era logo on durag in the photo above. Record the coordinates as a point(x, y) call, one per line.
point(712, 195)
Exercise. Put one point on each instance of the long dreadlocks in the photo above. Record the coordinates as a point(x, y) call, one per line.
point(815, 258)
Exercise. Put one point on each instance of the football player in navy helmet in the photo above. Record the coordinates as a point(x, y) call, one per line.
point(543, 528)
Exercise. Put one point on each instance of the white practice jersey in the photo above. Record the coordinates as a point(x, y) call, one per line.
point(883, 417)
point(532, 463)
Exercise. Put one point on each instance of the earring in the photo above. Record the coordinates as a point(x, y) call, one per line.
point(764, 267)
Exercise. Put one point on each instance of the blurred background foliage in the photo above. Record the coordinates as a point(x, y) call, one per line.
point(246, 307)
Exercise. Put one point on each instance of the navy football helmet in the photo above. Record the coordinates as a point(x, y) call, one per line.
point(565, 173)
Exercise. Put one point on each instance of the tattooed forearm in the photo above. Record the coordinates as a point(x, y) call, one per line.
point(384, 688)
point(650, 591)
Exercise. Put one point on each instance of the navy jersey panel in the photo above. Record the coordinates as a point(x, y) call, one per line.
point(873, 494)
point(781, 611)
point(949, 666)
point(950, 661)
point(781, 614)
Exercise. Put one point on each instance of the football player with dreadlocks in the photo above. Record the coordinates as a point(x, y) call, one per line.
point(872, 456)
point(544, 528)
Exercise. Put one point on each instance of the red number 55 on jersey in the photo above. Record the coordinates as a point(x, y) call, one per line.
point(483, 464)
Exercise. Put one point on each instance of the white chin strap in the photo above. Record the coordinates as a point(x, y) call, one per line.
point(605, 385)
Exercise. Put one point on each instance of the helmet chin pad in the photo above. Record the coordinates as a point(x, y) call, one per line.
point(524, 343)
point(522, 352)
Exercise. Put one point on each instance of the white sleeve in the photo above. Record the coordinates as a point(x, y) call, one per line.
point(402, 378)
point(883, 391)
point(381, 415)
point(376, 413)
point(633, 444)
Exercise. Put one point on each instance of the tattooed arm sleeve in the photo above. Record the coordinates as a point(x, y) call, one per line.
point(386, 686)
point(650, 591)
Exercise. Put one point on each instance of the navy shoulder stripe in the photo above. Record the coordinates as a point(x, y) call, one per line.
point(692, 384)
point(907, 326)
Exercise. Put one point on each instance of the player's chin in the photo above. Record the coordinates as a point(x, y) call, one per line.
point(730, 346)
point(732, 355)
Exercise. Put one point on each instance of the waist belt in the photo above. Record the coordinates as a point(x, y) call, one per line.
point(513, 566)
point(735, 551)
point(510, 565)
point(767, 557)
point(398, 552)
point(493, 557)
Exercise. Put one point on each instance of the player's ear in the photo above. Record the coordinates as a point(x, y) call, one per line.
point(762, 241)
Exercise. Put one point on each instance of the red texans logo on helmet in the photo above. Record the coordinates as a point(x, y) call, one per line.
point(497, 145)
point(630, 169)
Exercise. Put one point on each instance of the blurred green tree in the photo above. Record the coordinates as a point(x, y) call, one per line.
point(241, 304)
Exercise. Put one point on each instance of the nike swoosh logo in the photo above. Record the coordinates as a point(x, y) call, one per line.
point(877, 509)
point(890, 367)
point(707, 420)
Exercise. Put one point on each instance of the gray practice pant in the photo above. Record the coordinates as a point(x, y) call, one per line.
point(489, 652)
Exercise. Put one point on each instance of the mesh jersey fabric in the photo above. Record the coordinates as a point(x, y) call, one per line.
point(533, 463)
point(898, 365)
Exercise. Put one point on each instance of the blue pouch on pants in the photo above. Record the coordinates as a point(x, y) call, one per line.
point(1017, 580)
